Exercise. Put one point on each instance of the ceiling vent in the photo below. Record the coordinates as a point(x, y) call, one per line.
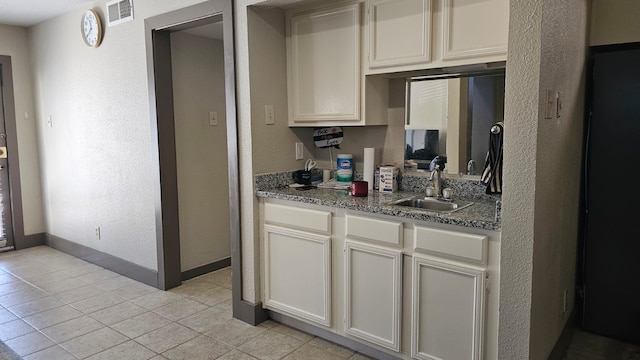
point(119, 11)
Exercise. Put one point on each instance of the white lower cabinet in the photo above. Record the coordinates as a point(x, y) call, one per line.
point(447, 311)
point(373, 288)
point(297, 273)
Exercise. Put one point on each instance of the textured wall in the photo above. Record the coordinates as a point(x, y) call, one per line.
point(201, 149)
point(614, 21)
point(558, 171)
point(518, 199)
point(96, 159)
point(13, 42)
point(547, 50)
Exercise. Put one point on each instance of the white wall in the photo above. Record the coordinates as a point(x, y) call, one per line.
point(96, 159)
point(542, 160)
point(614, 22)
point(13, 42)
point(201, 149)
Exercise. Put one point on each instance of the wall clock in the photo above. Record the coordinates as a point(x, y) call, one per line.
point(91, 28)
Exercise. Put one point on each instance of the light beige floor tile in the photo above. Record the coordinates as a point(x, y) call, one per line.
point(7, 278)
point(135, 291)
point(52, 353)
point(98, 276)
point(235, 332)
point(51, 317)
point(78, 294)
point(311, 352)
point(269, 324)
point(342, 352)
point(22, 297)
point(117, 313)
point(29, 343)
point(13, 329)
point(199, 348)
point(180, 309)
point(221, 278)
point(46, 278)
point(192, 287)
point(236, 355)
point(159, 357)
point(129, 350)
point(206, 320)
point(32, 269)
point(97, 302)
point(36, 306)
point(293, 333)
point(6, 316)
point(115, 283)
point(270, 345)
point(72, 328)
point(226, 305)
point(62, 286)
point(141, 324)
point(81, 269)
point(94, 342)
point(167, 337)
point(14, 286)
point(157, 299)
point(213, 296)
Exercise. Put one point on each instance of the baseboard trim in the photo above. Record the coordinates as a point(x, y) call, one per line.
point(31, 241)
point(252, 314)
point(330, 336)
point(205, 269)
point(564, 341)
point(110, 262)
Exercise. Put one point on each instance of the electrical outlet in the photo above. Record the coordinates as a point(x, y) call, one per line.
point(98, 232)
point(49, 121)
point(299, 151)
point(269, 118)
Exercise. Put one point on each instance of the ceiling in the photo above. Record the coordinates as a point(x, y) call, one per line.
point(30, 12)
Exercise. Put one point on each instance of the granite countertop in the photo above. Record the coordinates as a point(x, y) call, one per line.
point(483, 214)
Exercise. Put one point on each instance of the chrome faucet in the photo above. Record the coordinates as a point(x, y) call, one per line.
point(436, 177)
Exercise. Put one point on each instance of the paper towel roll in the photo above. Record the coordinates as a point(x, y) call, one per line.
point(369, 165)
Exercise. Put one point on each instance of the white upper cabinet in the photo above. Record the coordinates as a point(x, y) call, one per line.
point(474, 28)
point(324, 65)
point(409, 35)
point(399, 32)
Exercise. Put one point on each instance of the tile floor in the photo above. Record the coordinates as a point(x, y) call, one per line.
point(588, 346)
point(56, 306)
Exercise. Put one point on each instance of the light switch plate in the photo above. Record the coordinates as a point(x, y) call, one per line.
point(550, 101)
point(269, 118)
point(213, 118)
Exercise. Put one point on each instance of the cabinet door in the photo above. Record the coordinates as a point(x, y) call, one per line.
point(399, 32)
point(474, 28)
point(447, 312)
point(324, 65)
point(373, 286)
point(297, 271)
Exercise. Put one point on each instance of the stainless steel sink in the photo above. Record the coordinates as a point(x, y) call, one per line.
point(432, 204)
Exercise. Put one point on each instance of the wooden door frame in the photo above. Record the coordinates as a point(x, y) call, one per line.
point(15, 188)
point(158, 48)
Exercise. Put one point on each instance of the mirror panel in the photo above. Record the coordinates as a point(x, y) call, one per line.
point(452, 116)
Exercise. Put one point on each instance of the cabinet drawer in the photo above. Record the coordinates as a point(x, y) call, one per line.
point(388, 232)
point(298, 218)
point(456, 245)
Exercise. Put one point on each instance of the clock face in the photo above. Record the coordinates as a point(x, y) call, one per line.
point(91, 28)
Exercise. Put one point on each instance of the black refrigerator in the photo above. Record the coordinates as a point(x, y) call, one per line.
point(610, 243)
